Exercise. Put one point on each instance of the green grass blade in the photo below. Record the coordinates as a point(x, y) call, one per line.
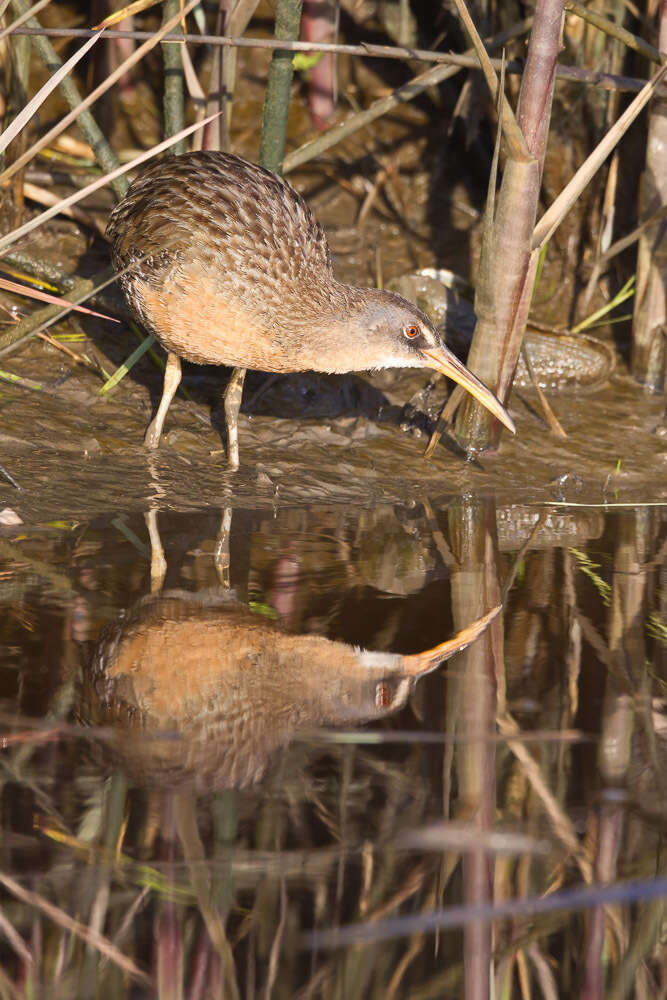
point(127, 365)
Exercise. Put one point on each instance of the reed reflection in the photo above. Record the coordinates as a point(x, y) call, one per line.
point(200, 693)
point(473, 699)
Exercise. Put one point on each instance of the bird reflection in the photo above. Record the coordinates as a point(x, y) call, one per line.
point(196, 688)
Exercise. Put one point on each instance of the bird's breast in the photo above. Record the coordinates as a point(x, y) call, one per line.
point(208, 324)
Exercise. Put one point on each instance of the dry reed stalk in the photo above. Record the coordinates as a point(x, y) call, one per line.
point(109, 178)
point(649, 326)
point(233, 19)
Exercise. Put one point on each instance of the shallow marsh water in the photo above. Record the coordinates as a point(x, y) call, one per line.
point(176, 780)
point(179, 781)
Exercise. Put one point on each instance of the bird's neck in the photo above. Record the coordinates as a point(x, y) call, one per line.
point(333, 337)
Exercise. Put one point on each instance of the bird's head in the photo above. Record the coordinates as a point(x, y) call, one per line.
point(384, 330)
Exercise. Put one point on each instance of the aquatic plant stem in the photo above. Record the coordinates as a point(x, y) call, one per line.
point(173, 101)
point(507, 269)
point(276, 102)
point(104, 154)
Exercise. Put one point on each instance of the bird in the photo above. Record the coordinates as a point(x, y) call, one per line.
point(234, 686)
point(224, 263)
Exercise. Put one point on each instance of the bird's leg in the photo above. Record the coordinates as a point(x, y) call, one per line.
point(233, 394)
point(221, 556)
point(172, 378)
point(158, 561)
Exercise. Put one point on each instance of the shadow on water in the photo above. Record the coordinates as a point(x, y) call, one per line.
point(235, 762)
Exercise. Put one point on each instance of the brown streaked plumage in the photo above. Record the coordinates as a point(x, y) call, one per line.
point(234, 687)
point(231, 267)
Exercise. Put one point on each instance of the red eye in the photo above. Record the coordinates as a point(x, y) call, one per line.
point(382, 696)
point(411, 331)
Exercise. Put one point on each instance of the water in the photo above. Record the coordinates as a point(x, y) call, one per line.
point(200, 767)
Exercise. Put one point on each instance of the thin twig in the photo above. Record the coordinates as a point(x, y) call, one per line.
point(407, 92)
point(10, 478)
point(576, 74)
point(626, 241)
point(550, 416)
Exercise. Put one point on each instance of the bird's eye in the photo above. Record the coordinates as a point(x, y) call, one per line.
point(411, 331)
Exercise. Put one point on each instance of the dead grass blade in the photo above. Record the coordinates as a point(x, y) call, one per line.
point(15, 939)
point(23, 18)
point(543, 972)
point(562, 824)
point(46, 198)
point(510, 127)
point(128, 364)
point(551, 418)
point(34, 293)
point(554, 215)
point(42, 319)
point(132, 8)
point(24, 383)
point(92, 938)
point(31, 107)
point(616, 31)
point(101, 182)
point(625, 241)
point(65, 122)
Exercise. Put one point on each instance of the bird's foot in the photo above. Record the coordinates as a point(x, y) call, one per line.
point(152, 437)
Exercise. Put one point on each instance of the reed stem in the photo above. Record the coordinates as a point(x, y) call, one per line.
point(174, 100)
point(276, 103)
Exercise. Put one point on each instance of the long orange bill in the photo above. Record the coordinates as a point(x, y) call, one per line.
point(444, 361)
point(421, 663)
